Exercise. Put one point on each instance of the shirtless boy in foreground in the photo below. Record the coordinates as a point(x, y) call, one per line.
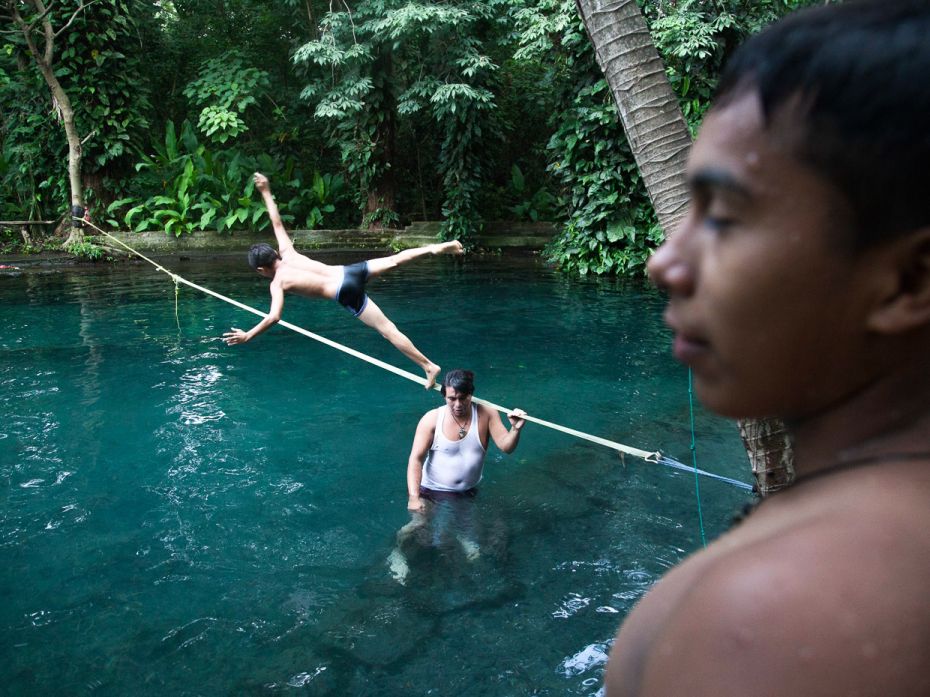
point(292, 272)
point(799, 287)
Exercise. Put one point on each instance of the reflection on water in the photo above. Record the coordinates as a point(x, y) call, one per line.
point(179, 514)
point(198, 385)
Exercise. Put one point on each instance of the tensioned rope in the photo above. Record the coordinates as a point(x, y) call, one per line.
point(654, 457)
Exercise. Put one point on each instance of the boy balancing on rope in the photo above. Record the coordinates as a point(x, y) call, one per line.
point(292, 272)
point(799, 287)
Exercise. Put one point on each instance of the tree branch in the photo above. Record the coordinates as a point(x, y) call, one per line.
point(40, 17)
point(49, 51)
point(73, 17)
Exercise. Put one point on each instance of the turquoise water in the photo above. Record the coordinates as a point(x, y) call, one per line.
point(181, 517)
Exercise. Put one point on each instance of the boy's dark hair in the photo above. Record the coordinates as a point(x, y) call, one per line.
point(855, 75)
point(462, 381)
point(262, 254)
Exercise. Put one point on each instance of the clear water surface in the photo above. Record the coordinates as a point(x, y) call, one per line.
point(181, 517)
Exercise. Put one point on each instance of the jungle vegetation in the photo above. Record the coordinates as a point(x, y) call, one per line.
point(374, 113)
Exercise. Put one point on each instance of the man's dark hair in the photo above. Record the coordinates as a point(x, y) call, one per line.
point(462, 381)
point(262, 254)
point(853, 77)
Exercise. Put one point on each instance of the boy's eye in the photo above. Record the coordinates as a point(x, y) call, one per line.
point(715, 222)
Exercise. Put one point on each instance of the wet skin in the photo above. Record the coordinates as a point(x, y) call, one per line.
point(759, 293)
point(822, 591)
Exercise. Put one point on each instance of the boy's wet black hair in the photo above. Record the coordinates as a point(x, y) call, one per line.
point(853, 78)
point(262, 254)
point(462, 381)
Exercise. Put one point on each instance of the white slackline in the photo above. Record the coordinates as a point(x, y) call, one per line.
point(653, 456)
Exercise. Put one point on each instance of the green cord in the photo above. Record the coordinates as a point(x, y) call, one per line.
point(697, 484)
point(176, 293)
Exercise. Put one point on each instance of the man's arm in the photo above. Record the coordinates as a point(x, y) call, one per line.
point(421, 442)
point(237, 336)
point(285, 245)
point(504, 439)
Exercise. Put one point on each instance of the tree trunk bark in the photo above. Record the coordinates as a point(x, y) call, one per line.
point(770, 453)
point(660, 141)
point(648, 107)
point(62, 105)
point(381, 201)
point(76, 234)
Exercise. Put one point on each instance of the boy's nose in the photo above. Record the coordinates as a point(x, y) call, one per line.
point(668, 268)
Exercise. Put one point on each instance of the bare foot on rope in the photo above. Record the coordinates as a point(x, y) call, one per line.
point(454, 247)
point(432, 370)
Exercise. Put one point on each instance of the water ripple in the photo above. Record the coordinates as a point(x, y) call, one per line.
point(572, 605)
point(181, 637)
point(303, 679)
point(593, 656)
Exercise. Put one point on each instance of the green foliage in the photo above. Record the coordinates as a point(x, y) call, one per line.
point(352, 96)
point(381, 218)
point(461, 169)
point(87, 250)
point(202, 189)
point(199, 189)
point(311, 205)
point(610, 224)
point(694, 38)
point(9, 240)
point(26, 141)
point(610, 227)
point(605, 197)
point(538, 206)
point(392, 60)
point(223, 90)
point(465, 110)
point(101, 74)
point(621, 249)
point(97, 62)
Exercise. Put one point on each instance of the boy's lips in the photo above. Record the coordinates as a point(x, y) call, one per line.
point(687, 346)
point(688, 350)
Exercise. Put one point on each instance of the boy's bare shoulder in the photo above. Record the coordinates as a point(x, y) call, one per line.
point(831, 587)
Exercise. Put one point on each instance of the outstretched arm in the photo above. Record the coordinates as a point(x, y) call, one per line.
point(284, 241)
point(504, 439)
point(237, 336)
point(421, 442)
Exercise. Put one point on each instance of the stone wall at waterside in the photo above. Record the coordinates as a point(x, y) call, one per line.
point(496, 235)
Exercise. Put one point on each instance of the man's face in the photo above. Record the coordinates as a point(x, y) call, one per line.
point(459, 402)
point(766, 308)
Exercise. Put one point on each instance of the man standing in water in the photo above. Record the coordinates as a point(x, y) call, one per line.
point(447, 457)
point(799, 287)
point(292, 272)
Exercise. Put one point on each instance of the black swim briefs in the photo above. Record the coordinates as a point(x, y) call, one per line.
point(351, 294)
point(436, 496)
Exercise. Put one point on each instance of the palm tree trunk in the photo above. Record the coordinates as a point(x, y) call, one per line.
point(660, 141)
point(648, 107)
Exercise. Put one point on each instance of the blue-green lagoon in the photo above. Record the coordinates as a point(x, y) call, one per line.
point(180, 517)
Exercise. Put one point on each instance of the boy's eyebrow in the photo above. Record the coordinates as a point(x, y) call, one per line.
point(710, 178)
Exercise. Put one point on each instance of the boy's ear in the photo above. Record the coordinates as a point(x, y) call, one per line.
point(906, 304)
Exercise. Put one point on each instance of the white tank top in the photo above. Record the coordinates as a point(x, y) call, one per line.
point(454, 465)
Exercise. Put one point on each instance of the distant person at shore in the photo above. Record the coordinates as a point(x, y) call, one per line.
point(292, 272)
point(799, 288)
point(447, 457)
